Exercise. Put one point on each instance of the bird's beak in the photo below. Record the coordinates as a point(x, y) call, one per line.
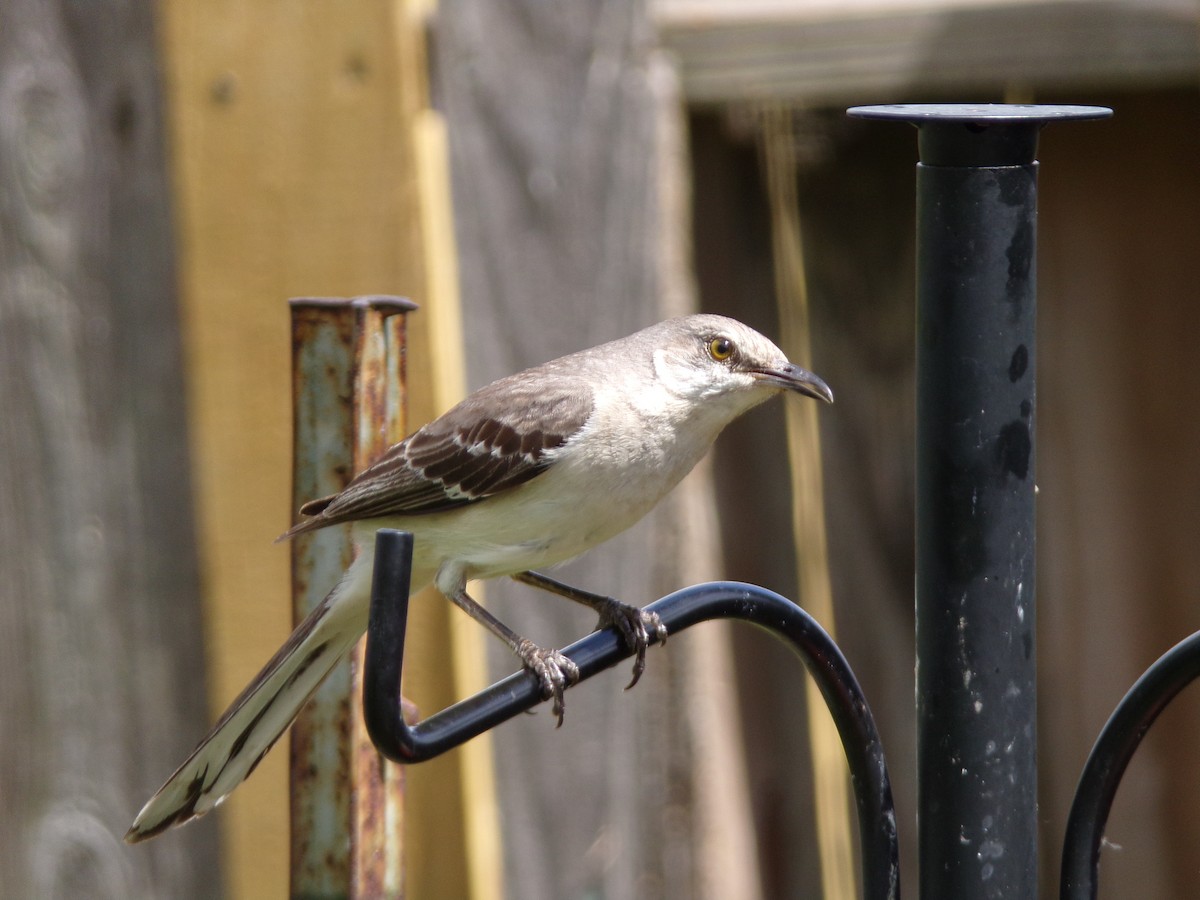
point(793, 378)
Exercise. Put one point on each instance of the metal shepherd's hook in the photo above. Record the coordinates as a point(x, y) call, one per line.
point(601, 650)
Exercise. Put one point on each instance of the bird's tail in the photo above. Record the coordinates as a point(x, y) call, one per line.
point(262, 712)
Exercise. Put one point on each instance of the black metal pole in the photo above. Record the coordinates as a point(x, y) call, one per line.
point(976, 353)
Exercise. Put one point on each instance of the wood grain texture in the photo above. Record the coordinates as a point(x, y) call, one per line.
point(1119, 229)
point(567, 156)
point(835, 53)
point(296, 166)
point(101, 663)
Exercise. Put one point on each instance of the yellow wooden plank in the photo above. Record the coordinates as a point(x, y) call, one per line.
point(293, 152)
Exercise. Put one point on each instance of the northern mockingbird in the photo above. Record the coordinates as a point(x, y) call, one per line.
point(527, 472)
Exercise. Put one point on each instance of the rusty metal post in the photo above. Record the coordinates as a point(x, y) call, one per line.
point(348, 390)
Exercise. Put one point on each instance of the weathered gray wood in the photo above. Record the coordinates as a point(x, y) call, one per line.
point(831, 53)
point(101, 660)
point(565, 176)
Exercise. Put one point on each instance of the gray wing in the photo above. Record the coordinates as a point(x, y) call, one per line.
point(499, 437)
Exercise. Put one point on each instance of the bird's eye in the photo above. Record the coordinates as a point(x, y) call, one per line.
point(720, 348)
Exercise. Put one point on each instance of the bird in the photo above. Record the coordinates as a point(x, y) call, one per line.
point(525, 473)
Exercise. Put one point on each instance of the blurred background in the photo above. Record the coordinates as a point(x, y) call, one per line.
point(540, 177)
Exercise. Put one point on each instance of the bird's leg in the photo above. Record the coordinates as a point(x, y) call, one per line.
point(555, 671)
point(634, 624)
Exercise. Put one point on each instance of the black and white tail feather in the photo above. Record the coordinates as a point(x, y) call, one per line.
point(261, 713)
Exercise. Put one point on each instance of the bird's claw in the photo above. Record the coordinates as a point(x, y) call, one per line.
point(555, 672)
point(638, 627)
point(409, 711)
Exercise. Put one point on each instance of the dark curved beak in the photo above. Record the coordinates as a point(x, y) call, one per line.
point(791, 377)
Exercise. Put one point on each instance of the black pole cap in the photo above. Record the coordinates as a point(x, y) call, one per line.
point(978, 134)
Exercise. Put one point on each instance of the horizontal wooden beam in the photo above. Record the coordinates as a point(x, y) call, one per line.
point(828, 53)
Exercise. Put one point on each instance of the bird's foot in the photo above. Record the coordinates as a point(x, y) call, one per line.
point(409, 711)
point(554, 671)
point(637, 626)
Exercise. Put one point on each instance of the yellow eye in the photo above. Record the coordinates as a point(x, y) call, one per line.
point(720, 348)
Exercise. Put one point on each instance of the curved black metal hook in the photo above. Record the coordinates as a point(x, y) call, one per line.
point(600, 650)
point(1149, 696)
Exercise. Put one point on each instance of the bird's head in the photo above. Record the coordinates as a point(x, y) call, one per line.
point(715, 359)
